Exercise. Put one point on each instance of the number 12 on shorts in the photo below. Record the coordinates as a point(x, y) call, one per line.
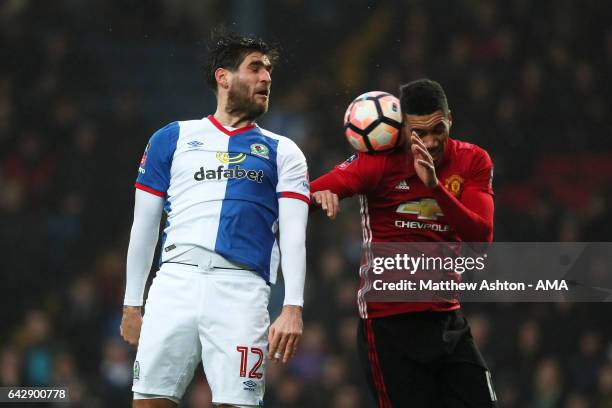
point(244, 355)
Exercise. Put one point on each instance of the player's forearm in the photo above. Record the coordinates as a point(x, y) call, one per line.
point(293, 217)
point(473, 221)
point(143, 239)
point(139, 260)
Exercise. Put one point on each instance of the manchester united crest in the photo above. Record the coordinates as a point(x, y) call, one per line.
point(454, 184)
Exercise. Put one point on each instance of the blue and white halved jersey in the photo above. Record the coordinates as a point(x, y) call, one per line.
point(222, 188)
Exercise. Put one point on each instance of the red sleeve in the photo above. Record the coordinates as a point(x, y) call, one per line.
point(359, 174)
point(472, 217)
point(481, 173)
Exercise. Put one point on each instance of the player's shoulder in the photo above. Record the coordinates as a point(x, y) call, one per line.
point(192, 123)
point(168, 129)
point(275, 136)
point(364, 160)
point(196, 125)
point(385, 161)
point(378, 157)
point(166, 135)
point(286, 146)
point(470, 151)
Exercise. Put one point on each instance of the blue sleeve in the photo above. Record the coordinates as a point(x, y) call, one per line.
point(154, 170)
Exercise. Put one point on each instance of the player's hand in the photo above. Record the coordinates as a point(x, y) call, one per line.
point(285, 334)
point(131, 323)
point(328, 201)
point(423, 162)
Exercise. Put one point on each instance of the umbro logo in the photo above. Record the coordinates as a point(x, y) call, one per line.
point(402, 185)
point(195, 143)
point(249, 385)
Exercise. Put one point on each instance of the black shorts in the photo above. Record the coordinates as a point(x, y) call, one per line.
point(424, 359)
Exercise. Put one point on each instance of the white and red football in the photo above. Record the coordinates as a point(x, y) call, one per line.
point(372, 122)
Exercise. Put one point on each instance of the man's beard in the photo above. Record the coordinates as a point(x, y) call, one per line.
point(241, 103)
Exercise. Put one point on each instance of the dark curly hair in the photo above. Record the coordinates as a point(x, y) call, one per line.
point(423, 97)
point(228, 50)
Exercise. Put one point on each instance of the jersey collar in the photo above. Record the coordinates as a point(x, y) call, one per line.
point(234, 132)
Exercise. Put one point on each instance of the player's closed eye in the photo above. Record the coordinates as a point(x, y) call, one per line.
point(257, 65)
point(438, 129)
point(420, 132)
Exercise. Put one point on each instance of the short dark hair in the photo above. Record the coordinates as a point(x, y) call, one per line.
point(228, 50)
point(423, 97)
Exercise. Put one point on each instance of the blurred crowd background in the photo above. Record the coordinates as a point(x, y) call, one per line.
point(83, 84)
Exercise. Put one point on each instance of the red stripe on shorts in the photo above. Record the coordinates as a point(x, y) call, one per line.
point(379, 382)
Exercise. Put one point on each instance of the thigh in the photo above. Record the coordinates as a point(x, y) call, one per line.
point(169, 347)
point(465, 380)
point(466, 385)
point(372, 378)
point(395, 379)
point(154, 401)
point(234, 335)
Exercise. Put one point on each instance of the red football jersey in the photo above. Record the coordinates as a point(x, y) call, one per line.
point(397, 207)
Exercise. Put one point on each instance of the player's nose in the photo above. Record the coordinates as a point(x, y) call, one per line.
point(430, 142)
point(265, 76)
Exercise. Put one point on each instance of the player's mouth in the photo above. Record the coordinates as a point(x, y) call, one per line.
point(264, 93)
point(436, 154)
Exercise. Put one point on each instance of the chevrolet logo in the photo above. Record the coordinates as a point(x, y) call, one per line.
point(425, 209)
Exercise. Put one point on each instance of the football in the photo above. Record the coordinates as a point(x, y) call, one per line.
point(372, 122)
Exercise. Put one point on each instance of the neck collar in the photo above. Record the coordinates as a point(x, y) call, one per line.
point(234, 132)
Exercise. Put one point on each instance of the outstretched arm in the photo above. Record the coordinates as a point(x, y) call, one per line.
point(334, 181)
point(357, 175)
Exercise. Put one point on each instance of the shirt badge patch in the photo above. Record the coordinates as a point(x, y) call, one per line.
point(260, 150)
point(348, 161)
point(143, 160)
point(136, 370)
point(454, 184)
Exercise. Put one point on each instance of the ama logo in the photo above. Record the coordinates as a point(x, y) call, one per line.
point(143, 161)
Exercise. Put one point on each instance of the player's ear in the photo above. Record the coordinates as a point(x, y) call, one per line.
point(450, 119)
point(221, 75)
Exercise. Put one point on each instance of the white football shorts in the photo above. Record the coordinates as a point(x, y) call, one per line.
point(217, 316)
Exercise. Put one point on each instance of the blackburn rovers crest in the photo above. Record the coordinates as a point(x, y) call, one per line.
point(260, 150)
